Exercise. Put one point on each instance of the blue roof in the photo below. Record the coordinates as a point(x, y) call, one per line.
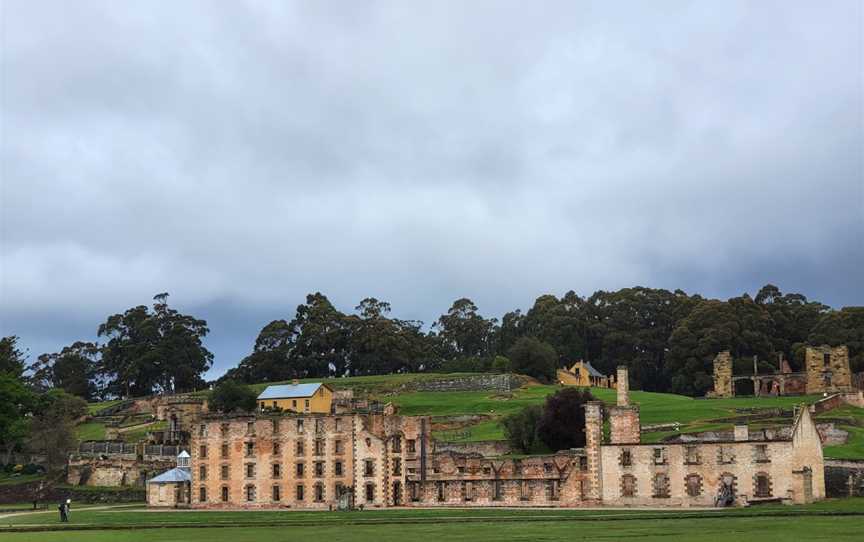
point(592, 371)
point(287, 391)
point(177, 474)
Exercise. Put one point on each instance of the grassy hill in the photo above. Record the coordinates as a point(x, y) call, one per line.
point(475, 415)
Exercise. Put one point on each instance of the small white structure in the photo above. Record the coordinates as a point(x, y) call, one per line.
point(172, 488)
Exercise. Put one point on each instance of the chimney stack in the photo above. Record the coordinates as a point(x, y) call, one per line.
point(623, 386)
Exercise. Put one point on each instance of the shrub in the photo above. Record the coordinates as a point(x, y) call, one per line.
point(501, 364)
point(521, 428)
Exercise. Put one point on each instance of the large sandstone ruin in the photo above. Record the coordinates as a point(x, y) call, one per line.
point(383, 460)
point(826, 371)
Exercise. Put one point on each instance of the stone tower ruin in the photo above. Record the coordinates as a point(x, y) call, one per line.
point(723, 375)
point(827, 369)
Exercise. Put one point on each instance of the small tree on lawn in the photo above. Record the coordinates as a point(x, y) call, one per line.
point(521, 428)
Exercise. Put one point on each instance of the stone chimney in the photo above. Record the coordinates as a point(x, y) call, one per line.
point(742, 433)
point(623, 386)
point(593, 441)
point(624, 424)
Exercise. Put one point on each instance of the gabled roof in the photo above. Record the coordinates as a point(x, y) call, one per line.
point(588, 367)
point(177, 474)
point(591, 370)
point(289, 391)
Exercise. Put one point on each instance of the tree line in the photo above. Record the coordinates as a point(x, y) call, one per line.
point(668, 339)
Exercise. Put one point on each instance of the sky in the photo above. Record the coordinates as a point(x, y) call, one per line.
point(240, 155)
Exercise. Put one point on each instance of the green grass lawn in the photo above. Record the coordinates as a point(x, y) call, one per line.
point(694, 415)
point(695, 530)
point(851, 419)
point(90, 431)
point(140, 433)
point(655, 408)
point(771, 523)
point(95, 408)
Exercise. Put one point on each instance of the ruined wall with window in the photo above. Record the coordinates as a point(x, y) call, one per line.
point(459, 480)
point(279, 461)
point(692, 474)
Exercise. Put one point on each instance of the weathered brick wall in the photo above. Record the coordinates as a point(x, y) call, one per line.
point(723, 375)
point(114, 471)
point(707, 463)
point(593, 443)
point(831, 377)
point(841, 374)
point(273, 441)
point(333, 451)
point(456, 480)
point(487, 448)
point(624, 424)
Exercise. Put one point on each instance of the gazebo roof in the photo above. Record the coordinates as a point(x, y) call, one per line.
point(177, 474)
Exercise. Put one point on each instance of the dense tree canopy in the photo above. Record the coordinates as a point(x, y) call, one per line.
point(16, 402)
point(668, 339)
point(533, 357)
point(74, 370)
point(158, 350)
point(11, 356)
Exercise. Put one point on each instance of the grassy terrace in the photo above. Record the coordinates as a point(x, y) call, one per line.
point(656, 408)
point(121, 523)
point(694, 415)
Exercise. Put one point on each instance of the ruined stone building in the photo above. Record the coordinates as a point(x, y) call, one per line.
point(826, 370)
point(385, 460)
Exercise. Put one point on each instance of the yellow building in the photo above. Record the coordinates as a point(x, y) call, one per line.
point(587, 375)
point(315, 397)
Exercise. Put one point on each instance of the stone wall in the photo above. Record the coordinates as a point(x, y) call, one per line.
point(624, 424)
point(832, 376)
point(844, 478)
point(490, 382)
point(114, 471)
point(486, 448)
point(723, 375)
point(553, 480)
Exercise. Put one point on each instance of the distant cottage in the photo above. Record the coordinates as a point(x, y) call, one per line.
point(587, 375)
point(296, 397)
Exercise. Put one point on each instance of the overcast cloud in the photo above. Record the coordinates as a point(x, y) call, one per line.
point(242, 154)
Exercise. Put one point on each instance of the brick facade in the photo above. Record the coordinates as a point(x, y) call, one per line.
point(386, 460)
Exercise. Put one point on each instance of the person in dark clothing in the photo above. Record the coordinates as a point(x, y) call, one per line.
point(63, 517)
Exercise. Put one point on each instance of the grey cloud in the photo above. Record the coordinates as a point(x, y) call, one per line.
point(242, 154)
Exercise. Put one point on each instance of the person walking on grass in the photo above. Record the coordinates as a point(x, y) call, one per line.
point(62, 509)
